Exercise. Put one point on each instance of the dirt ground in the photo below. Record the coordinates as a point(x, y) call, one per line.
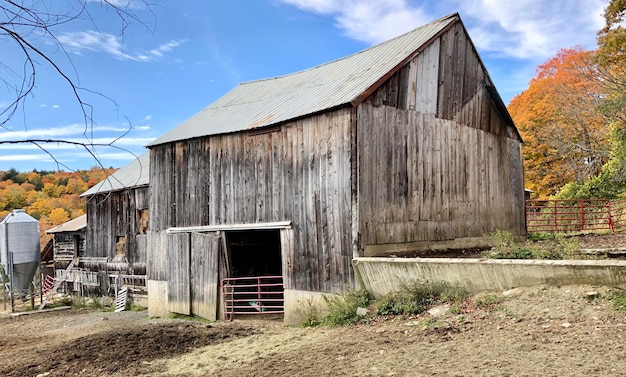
point(538, 331)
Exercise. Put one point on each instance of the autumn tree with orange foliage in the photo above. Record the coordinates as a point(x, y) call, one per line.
point(558, 116)
point(610, 60)
point(51, 198)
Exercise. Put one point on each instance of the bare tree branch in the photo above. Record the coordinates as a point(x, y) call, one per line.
point(31, 24)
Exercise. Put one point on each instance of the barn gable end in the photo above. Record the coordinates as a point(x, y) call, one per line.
point(433, 139)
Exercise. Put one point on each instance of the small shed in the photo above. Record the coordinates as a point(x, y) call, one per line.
point(400, 147)
point(68, 241)
point(117, 222)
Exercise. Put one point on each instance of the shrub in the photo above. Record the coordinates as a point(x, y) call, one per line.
point(342, 307)
point(416, 296)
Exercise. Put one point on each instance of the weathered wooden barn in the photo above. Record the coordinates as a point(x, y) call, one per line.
point(117, 224)
point(403, 146)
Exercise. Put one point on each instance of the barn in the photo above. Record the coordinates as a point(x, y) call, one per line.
point(116, 227)
point(404, 146)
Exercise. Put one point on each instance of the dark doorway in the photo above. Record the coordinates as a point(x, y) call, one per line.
point(254, 253)
point(255, 283)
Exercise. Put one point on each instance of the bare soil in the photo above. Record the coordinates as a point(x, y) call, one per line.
point(547, 331)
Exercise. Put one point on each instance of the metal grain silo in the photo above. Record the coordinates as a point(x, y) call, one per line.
point(19, 248)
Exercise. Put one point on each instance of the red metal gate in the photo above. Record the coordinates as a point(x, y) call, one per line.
point(579, 215)
point(253, 295)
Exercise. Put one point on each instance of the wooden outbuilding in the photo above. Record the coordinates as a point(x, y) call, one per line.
point(68, 241)
point(403, 146)
point(117, 224)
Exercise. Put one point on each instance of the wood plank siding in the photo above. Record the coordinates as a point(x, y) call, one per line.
point(428, 179)
point(298, 172)
point(117, 225)
point(442, 164)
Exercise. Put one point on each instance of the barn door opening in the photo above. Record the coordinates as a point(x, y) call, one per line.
point(254, 284)
point(254, 253)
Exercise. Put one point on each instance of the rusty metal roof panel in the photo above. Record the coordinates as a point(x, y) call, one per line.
point(134, 174)
point(265, 102)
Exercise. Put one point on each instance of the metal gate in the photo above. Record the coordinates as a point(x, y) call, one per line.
point(575, 215)
point(253, 295)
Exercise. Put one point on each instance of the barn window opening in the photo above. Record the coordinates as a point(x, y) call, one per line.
point(254, 284)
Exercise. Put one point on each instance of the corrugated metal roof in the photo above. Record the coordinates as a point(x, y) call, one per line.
point(262, 103)
point(136, 173)
point(70, 226)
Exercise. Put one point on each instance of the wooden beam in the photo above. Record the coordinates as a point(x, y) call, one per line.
point(222, 227)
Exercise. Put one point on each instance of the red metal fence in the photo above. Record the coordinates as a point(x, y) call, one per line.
point(253, 295)
point(581, 215)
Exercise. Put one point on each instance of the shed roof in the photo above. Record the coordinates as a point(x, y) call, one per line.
point(70, 226)
point(266, 102)
point(135, 174)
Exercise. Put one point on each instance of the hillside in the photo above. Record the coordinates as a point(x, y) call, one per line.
point(51, 197)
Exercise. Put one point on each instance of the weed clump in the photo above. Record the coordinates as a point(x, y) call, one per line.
point(618, 299)
point(342, 308)
point(555, 246)
point(417, 296)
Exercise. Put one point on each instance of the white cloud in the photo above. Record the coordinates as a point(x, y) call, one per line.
point(22, 157)
point(54, 132)
point(166, 47)
point(519, 29)
point(81, 41)
point(370, 21)
point(532, 28)
point(124, 4)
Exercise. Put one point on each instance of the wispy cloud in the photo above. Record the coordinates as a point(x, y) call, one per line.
point(79, 42)
point(370, 21)
point(519, 29)
point(52, 132)
point(22, 157)
point(166, 47)
point(533, 28)
point(124, 4)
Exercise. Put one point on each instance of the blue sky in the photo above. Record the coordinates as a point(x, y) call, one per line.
point(186, 54)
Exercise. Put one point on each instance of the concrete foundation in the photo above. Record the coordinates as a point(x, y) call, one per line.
point(157, 298)
point(300, 306)
point(380, 276)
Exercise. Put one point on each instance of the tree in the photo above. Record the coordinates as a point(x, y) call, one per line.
point(611, 59)
point(558, 116)
point(58, 216)
point(28, 25)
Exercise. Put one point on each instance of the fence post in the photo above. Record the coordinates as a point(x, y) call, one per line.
point(556, 221)
point(608, 211)
point(582, 214)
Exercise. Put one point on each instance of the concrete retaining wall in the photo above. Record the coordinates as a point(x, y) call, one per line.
point(380, 276)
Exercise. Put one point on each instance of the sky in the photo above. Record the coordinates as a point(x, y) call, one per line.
point(173, 58)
